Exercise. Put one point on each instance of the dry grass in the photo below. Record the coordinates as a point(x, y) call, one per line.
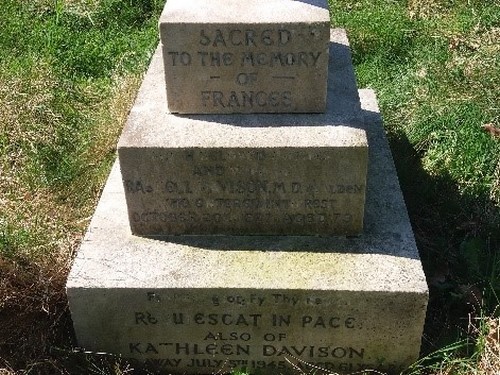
point(60, 119)
point(40, 231)
point(489, 360)
point(35, 295)
point(425, 9)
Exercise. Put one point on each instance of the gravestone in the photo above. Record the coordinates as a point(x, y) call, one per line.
point(213, 249)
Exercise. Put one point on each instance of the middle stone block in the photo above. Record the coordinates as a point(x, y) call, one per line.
point(241, 191)
point(254, 56)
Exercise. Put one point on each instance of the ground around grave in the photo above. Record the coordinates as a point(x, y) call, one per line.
point(69, 71)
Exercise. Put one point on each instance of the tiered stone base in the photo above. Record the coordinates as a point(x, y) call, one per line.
point(199, 304)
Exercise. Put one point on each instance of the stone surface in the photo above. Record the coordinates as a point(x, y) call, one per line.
point(198, 304)
point(298, 174)
point(245, 56)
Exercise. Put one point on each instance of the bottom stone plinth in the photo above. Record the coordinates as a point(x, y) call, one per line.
point(202, 304)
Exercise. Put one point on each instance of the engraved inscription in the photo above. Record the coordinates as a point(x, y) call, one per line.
point(248, 37)
point(280, 59)
point(247, 191)
point(274, 330)
point(248, 99)
point(248, 58)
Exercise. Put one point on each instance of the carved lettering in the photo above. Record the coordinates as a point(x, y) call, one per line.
point(208, 170)
point(232, 336)
point(281, 320)
point(145, 318)
point(228, 319)
point(224, 205)
point(284, 298)
point(247, 38)
point(246, 335)
point(326, 322)
point(319, 203)
point(246, 99)
point(215, 58)
point(346, 189)
point(180, 58)
point(252, 203)
point(210, 349)
point(210, 363)
point(279, 59)
point(134, 186)
point(312, 351)
point(302, 219)
point(183, 187)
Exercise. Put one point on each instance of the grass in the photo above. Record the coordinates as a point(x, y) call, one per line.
point(69, 70)
point(435, 66)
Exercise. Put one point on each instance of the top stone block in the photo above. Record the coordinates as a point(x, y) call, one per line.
point(253, 56)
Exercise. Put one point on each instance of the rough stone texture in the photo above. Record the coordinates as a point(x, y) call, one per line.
point(198, 304)
point(245, 56)
point(299, 174)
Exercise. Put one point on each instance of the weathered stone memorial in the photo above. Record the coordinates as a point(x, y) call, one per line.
point(254, 219)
